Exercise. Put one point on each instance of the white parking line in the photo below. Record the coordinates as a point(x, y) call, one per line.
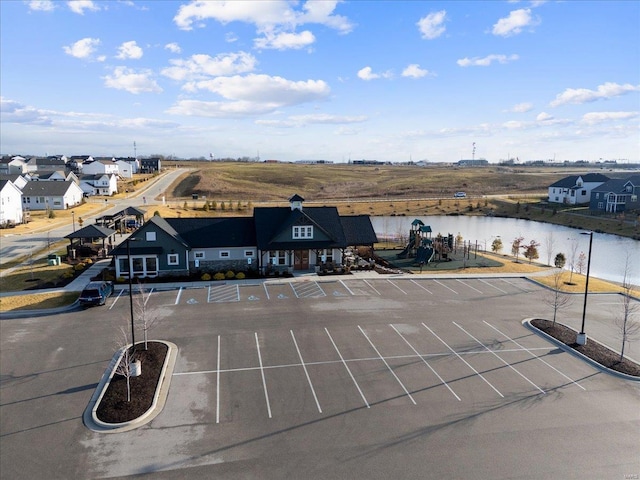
point(218, 384)
point(347, 367)
point(116, 299)
point(348, 289)
point(178, 296)
point(388, 366)
point(467, 285)
point(440, 283)
point(264, 381)
point(294, 290)
point(465, 362)
point(426, 290)
point(148, 297)
point(500, 358)
point(372, 287)
point(264, 285)
point(397, 287)
point(492, 285)
point(535, 356)
point(425, 362)
point(305, 371)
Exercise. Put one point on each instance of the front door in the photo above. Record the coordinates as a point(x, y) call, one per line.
point(301, 260)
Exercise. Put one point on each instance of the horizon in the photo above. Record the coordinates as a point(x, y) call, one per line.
point(421, 81)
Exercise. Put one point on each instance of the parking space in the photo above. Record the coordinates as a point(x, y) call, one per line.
point(314, 371)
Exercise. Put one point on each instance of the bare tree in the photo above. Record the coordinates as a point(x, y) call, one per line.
point(531, 250)
point(549, 244)
point(626, 321)
point(126, 365)
point(556, 298)
point(573, 252)
point(582, 258)
point(146, 318)
point(515, 247)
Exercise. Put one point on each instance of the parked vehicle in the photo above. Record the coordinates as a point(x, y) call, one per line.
point(460, 195)
point(96, 293)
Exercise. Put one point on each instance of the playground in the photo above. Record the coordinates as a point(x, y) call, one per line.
point(425, 252)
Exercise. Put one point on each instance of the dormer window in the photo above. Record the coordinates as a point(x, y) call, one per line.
point(302, 232)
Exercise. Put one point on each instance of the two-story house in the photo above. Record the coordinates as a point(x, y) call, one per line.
point(51, 195)
point(616, 195)
point(10, 204)
point(101, 167)
point(99, 184)
point(575, 189)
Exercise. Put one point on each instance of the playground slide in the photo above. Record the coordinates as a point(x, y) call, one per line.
point(425, 254)
point(405, 252)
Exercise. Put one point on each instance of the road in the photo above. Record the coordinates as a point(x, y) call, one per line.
point(16, 246)
point(341, 378)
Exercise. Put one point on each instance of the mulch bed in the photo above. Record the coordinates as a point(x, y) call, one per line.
point(113, 407)
point(591, 349)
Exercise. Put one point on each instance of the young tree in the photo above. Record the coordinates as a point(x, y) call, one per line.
point(146, 318)
point(126, 366)
point(559, 261)
point(556, 298)
point(549, 245)
point(515, 247)
point(573, 253)
point(496, 245)
point(627, 321)
point(531, 250)
point(582, 258)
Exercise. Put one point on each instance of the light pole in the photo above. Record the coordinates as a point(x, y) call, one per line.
point(73, 219)
point(582, 337)
point(133, 333)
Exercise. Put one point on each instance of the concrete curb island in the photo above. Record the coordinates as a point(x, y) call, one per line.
point(527, 324)
point(90, 419)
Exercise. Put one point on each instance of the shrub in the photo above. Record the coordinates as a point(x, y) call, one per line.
point(240, 276)
point(67, 275)
point(88, 261)
point(205, 277)
point(120, 280)
point(79, 267)
point(229, 275)
point(218, 276)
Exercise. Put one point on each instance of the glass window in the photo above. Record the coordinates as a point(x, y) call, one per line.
point(172, 259)
point(303, 232)
point(198, 255)
point(151, 265)
point(225, 254)
point(151, 236)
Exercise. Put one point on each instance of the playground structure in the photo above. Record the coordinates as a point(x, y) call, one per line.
point(423, 247)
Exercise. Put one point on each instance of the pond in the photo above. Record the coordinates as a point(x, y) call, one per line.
point(609, 253)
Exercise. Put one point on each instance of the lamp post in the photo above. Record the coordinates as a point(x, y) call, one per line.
point(73, 219)
point(130, 268)
point(582, 337)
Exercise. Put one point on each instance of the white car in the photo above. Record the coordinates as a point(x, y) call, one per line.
point(460, 195)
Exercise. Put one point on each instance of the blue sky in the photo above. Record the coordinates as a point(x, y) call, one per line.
point(391, 81)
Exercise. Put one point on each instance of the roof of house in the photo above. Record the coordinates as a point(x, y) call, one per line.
point(359, 231)
point(92, 231)
point(571, 180)
point(215, 232)
point(618, 184)
point(47, 188)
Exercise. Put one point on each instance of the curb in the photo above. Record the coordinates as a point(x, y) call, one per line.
point(89, 417)
point(527, 324)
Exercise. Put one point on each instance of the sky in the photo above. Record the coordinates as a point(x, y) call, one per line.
point(435, 81)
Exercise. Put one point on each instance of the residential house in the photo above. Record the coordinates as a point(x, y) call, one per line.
point(125, 169)
point(575, 189)
point(134, 163)
point(99, 184)
point(150, 165)
point(51, 195)
point(45, 164)
point(13, 165)
point(101, 167)
point(55, 176)
point(275, 239)
point(76, 162)
point(19, 180)
point(616, 195)
point(10, 204)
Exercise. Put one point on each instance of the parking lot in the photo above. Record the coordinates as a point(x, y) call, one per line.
point(348, 377)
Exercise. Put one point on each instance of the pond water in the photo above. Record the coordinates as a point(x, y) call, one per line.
point(608, 253)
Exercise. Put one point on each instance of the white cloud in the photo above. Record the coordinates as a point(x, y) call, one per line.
point(284, 41)
point(230, 37)
point(79, 6)
point(129, 50)
point(544, 117)
point(414, 71)
point(15, 112)
point(41, 5)
point(264, 15)
point(584, 95)
point(432, 26)
point(522, 107)
point(514, 23)
point(367, 74)
point(324, 118)
point(593, 118)
point(133, 82)
point(250, 95)
point(83, 48)
point(486, 61)
point(201, 66)
point(173, 47)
